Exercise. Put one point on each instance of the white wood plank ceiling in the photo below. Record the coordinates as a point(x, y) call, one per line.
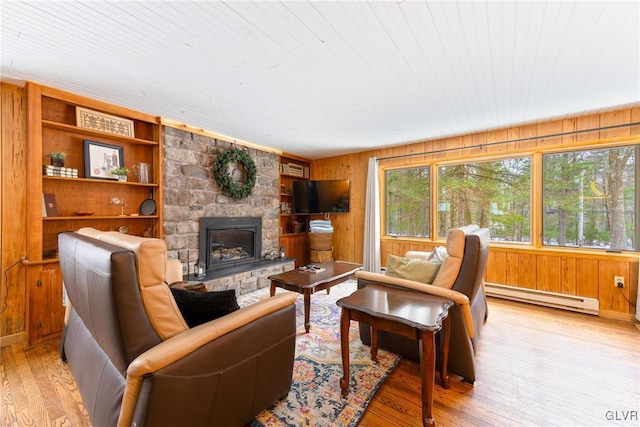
point(320, 78)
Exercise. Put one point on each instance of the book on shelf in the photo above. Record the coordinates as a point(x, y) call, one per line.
point(50, 170)
point(44, 207)
point(49, 207)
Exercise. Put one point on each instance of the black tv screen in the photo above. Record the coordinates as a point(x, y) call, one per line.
point(320, 197)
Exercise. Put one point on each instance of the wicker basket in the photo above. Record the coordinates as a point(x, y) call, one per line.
point(321, 241)
point(321, 256)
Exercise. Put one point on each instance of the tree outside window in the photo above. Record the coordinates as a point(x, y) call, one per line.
point(589, 198)
point(493, 194)
point(407, 202)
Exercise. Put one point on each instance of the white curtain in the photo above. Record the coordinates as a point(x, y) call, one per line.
point(371, 261)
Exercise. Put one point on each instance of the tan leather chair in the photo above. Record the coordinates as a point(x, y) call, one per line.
point(460, 279)
point(135, 360)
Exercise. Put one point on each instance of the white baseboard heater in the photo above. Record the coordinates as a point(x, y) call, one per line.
point(548, 299)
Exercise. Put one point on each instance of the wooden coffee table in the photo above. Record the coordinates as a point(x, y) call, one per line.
point(306, 283)
point(412, 314)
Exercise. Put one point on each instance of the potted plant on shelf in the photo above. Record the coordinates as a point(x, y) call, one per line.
point(57, 158)
point(121, 173)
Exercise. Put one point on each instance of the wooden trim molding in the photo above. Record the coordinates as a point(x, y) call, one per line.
point(200, 131)
point(17, 338)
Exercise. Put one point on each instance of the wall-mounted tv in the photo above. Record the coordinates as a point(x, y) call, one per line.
point(321, 197)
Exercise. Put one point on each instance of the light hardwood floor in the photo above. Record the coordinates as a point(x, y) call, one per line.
point(536, 366)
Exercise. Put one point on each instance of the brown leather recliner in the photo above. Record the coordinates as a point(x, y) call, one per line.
point(135, 360)
point(468, 248)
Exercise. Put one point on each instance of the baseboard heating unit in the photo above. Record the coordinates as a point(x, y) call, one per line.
point(548, 299)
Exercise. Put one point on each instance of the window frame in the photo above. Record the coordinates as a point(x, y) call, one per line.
point(493, 159)
point(594, 146)
point(383, 199)
point(536, 195)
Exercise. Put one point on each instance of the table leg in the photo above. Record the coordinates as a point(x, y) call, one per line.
point(272, 290)
point(428, 375)
point(307, 309)
point(374, 343)
point(345, 321)
point(444, 375)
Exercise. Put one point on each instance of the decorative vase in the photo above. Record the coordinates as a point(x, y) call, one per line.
point(57, 162)
point(122, 178)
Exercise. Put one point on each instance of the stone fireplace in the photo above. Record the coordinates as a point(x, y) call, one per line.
point(191, 194)
point(227, 242)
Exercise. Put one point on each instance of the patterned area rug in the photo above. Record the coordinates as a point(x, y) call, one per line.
point(314, 399)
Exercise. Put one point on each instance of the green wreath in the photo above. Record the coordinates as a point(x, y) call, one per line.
point(226, 183)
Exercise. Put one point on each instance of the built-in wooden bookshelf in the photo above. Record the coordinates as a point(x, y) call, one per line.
point(88, 200)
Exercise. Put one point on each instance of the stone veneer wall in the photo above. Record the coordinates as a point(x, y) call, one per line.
point(191, 192)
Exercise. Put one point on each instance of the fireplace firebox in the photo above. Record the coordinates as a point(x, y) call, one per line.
point(229, 241)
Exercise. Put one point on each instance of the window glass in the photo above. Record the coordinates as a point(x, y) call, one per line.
point(407, 202)
point(589, 198)
point(494, 194)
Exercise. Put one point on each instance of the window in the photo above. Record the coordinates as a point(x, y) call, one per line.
point(589, 198)
point(586, 198)
point(407, 202)
point(494, 194)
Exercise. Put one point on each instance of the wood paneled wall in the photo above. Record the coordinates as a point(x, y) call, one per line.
point(13, 227)
point(566, 272)
point(569, 272)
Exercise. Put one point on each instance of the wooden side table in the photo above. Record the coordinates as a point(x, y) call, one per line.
point(412, 314)
point(189, 286)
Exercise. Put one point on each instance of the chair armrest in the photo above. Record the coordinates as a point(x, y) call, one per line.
point(455, 296)
point(182, 344)
point(458, 298)
point(185, 343)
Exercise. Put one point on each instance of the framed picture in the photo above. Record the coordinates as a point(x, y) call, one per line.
point(104, 122)
point(100, 159)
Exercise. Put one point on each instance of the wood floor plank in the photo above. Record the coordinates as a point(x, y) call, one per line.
point(72, 411)
point(536, 366)
point(28, 405)
point(8, 403)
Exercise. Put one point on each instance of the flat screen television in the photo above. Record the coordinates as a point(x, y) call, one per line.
point(321, 197)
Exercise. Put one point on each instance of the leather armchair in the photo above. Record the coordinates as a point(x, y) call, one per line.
point(135, 360)
point(173, 269)
point(460, 279)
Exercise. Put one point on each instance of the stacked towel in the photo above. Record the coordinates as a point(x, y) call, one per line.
point(320, 226)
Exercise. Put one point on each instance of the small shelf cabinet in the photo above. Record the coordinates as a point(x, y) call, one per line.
point(293, 227)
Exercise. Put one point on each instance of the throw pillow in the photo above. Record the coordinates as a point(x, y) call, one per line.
point(412, 269)
point(200, 307)
point(439, 254)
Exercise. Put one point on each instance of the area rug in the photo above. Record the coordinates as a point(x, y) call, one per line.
point(315, 399)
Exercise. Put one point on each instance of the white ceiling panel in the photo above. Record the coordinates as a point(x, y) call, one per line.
point(321, 78)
